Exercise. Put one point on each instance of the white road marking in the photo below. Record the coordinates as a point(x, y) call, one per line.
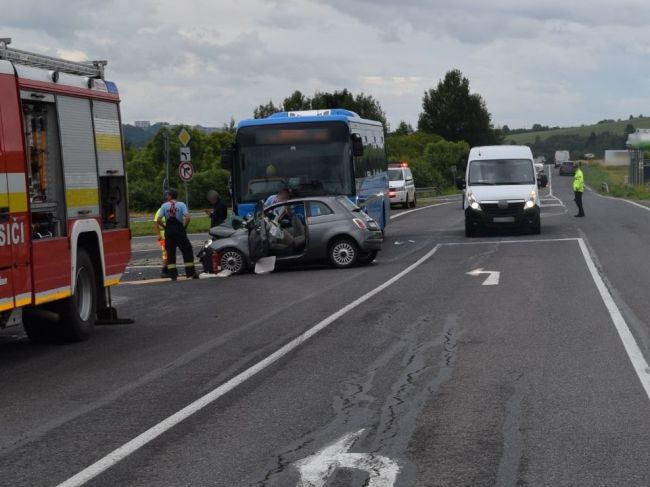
point(316, 469)
point(634, 353)
point(632, 349)
point(402, 213)
point(550, 191)
point(483, 242)
point(165, 425)
point(492, 278)
point(633, 203)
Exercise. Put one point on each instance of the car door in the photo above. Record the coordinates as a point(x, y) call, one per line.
point(410, 185)
point(258, 238)
point(320, 218)
point(287, 232)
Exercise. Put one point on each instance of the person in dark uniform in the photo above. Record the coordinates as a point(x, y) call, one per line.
point(219, 212)
point(174, 218)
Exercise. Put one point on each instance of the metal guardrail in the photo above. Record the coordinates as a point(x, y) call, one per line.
point(431, 191)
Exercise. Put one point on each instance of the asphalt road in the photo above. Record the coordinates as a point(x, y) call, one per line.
point(418, 372)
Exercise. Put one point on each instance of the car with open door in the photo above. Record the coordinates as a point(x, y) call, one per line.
point(300, 231)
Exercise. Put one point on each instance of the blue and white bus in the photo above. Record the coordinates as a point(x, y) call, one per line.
point(313, 153)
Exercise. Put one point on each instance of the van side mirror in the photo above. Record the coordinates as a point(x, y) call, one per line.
point(227, 158)
point(357, 145)
point(460, 183)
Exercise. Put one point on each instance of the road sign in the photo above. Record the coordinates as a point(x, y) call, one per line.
point(186, 156)
point(316, 469)
point(492, 278)
point(184, 136)
point(185, 171)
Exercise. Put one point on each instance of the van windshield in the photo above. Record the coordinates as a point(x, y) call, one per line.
point(501, 172)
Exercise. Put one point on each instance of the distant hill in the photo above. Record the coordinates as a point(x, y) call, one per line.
point(138, 136)
point(614, 128)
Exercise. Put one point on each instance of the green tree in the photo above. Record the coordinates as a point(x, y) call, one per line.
point(295, 102)
point(364, 105)
point(408, 147)
point(403, 129)
point(263, 111)
point(442, 156)
point(451, 111)
point(146, 167)
point(629, 129)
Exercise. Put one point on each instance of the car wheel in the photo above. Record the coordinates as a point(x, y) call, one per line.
point(343, 253)
point(415, 201)
point(367, 257)
point(406, 203)
point(77, 314)
point(233, 260)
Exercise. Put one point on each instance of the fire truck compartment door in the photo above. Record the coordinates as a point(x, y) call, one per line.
point(108, 138)
point(79, 160)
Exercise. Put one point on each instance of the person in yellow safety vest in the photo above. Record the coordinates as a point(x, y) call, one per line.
point(160, 230)
point(579, 188)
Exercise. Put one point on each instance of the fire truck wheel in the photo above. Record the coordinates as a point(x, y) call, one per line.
point(79, 312)
point(39, 328)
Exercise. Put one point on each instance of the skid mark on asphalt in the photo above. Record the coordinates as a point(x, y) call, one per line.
point(513, 439)
point(418, 377)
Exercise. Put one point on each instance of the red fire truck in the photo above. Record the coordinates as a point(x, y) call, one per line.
point(64, 228)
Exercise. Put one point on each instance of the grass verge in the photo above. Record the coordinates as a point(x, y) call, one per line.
point(616, 179)
point(199, 224)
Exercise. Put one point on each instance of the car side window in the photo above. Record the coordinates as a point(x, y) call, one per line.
point(316, 208)
point(409, 176)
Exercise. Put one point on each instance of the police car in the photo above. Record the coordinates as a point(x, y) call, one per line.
point(401, 187)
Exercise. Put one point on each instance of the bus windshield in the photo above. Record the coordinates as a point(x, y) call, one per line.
point(501, 172)
point(309, 161)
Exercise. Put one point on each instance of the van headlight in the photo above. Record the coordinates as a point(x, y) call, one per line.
point(473, 202)
point(531, 202)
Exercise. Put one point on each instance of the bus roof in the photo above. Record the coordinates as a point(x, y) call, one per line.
point(309, 116)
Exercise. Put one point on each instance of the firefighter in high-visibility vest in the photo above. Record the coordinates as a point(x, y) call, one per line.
point(177, 218)
point(579, 188)
point(160, 231)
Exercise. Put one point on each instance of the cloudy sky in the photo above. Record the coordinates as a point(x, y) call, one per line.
point(554, 62)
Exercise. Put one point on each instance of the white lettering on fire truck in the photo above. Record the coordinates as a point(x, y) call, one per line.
point(12, 233)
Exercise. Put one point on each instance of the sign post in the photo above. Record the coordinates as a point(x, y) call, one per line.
point(185, 168)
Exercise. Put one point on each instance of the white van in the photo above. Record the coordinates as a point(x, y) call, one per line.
point(401, 187)
point(501, 189)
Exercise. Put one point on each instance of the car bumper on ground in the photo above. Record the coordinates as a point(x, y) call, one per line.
point(512, 216)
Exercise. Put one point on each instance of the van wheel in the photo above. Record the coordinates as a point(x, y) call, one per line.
point(536, 227)
point(406, 203)
point(77, 314)
point(343, 253)
point(415, 201)
point(470, 231)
